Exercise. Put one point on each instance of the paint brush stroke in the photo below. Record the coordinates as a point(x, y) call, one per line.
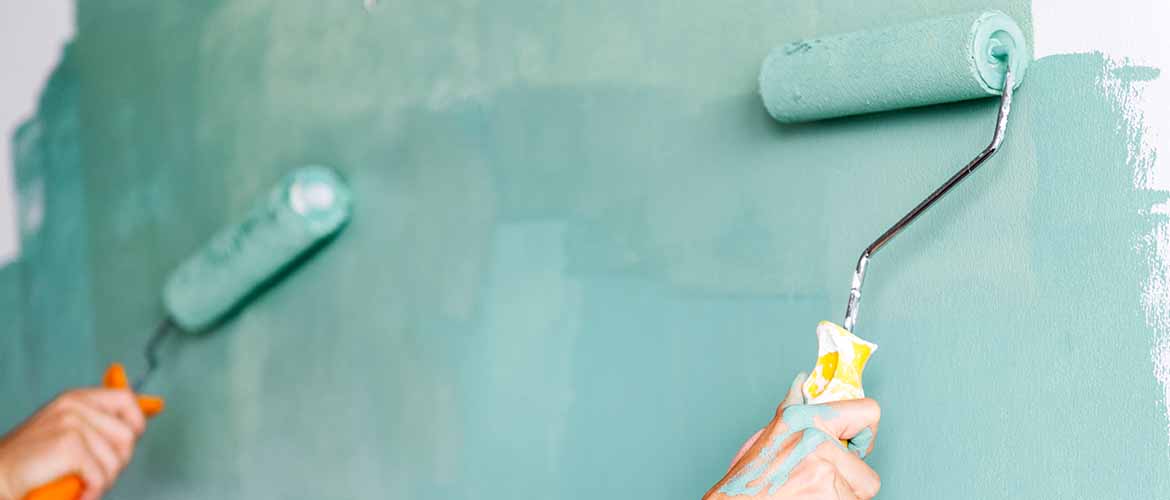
point(1134, 47)
point(1139, 93)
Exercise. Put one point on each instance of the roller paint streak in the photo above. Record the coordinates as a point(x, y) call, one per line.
point(1135, 57)
point(933, 61)
point(306, 207)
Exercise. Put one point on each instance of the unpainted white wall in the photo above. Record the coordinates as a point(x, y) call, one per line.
point(32, 34)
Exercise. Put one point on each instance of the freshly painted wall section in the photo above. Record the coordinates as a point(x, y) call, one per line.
point(1131, 34)
point(584, 262)
point(46, 334)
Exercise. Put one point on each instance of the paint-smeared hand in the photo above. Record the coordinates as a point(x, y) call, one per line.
point(90, 432)
point(800, 455)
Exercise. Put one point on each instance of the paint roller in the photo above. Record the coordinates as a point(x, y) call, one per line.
point(947, 59)
point(297, 217)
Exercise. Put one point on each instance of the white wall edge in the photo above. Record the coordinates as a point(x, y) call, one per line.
point(32, 36)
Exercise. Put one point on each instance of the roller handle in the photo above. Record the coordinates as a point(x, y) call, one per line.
point(71, 486)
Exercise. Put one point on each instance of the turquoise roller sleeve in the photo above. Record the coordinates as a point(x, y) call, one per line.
point(928, 62)
point(307, 206)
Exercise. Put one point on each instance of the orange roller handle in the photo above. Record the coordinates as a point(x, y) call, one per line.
point(70, 487)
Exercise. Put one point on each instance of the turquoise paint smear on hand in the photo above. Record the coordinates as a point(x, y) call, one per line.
point(796, 419)
point(860, 443)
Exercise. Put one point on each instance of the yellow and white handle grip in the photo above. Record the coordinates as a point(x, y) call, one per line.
point(841, 358)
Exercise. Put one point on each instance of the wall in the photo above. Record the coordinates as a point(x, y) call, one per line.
point(584, 262)
point(1127, 39)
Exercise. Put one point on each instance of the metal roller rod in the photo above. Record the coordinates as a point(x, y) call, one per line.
point(151, 352)
point(1005, 106)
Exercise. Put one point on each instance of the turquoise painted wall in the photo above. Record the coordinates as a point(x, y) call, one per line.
point(584, 262)
point(47, 341)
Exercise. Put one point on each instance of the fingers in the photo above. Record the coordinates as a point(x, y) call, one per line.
point(842, 490)
point(115, 378)
point(115, 430)
point(95, 482)
point(100, 427)
point(850, 417)
point(103, 453)
point(96, 412)
point(73, 449)
point(79, 442)
point(862, 443)
point(119, 402)
point(862, 480)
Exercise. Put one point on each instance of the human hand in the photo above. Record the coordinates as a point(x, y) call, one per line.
point(799, 454)
point(89, 433)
